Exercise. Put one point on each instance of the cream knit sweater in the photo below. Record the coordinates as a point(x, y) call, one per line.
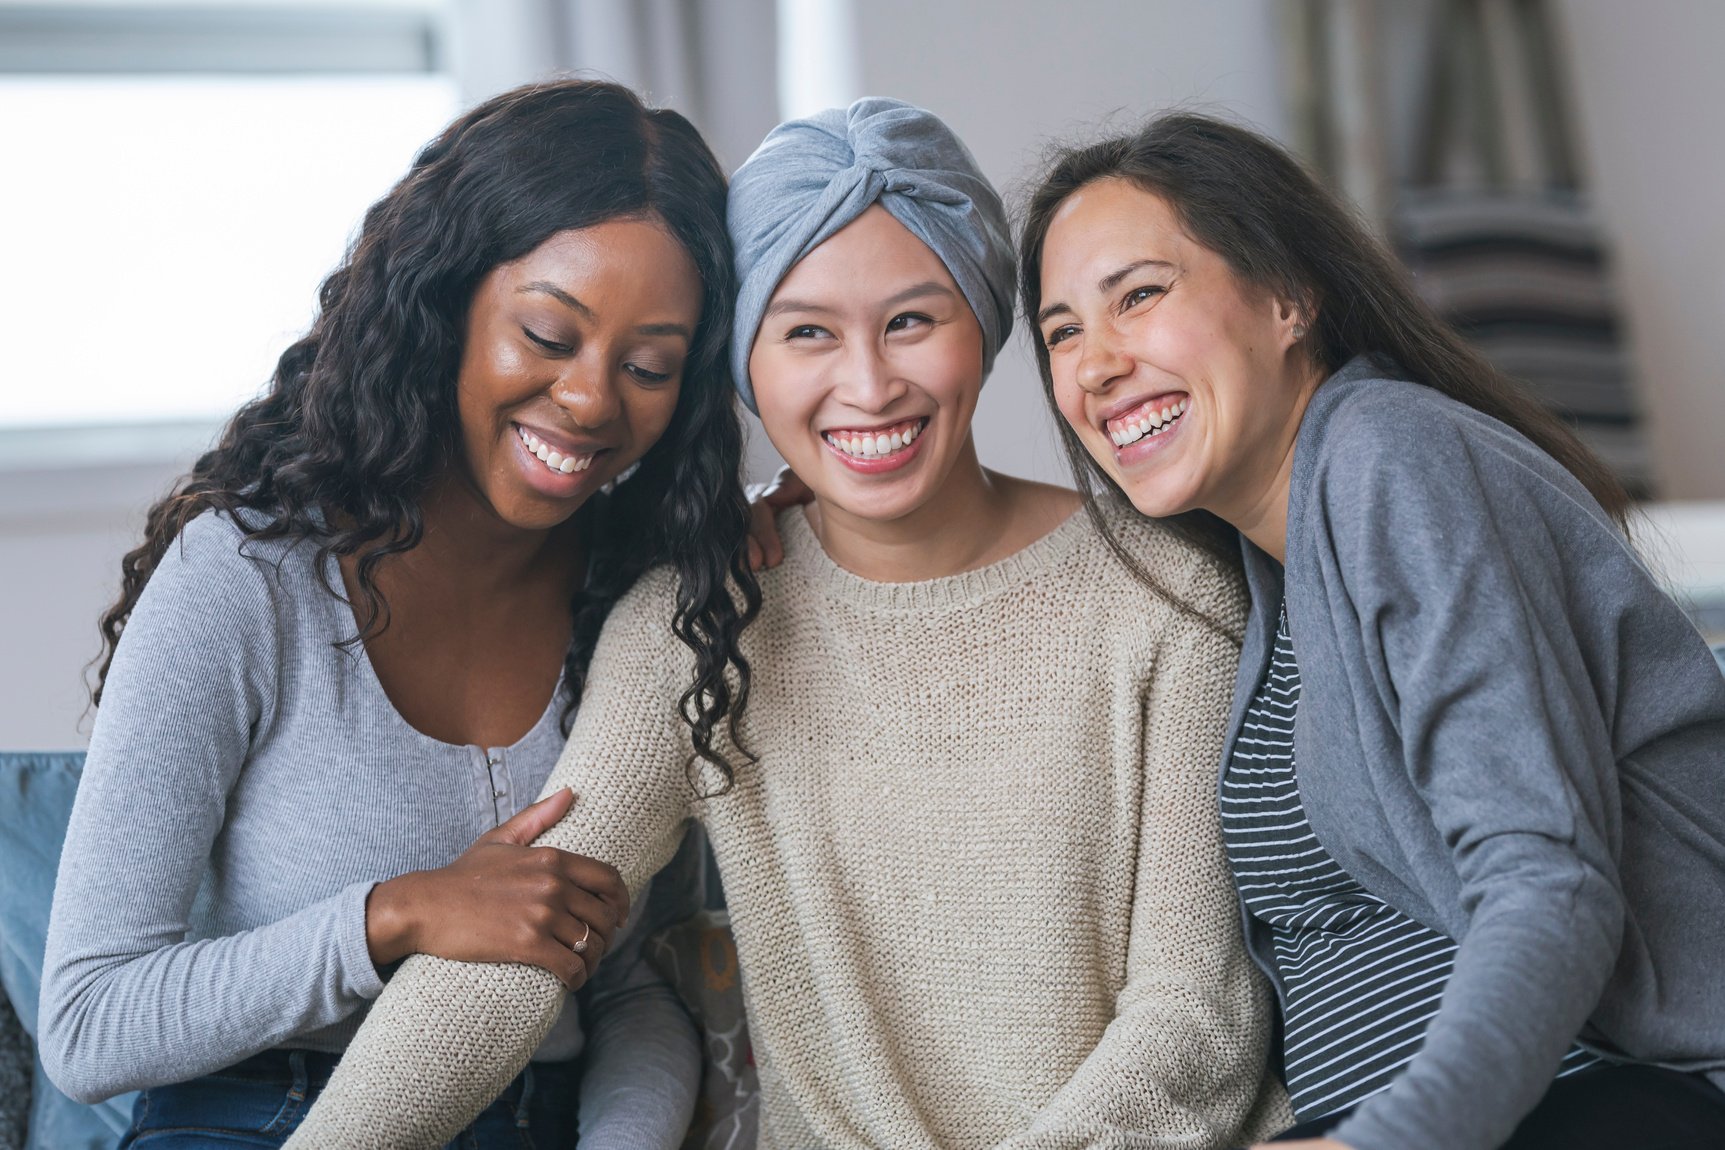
point(976, 875)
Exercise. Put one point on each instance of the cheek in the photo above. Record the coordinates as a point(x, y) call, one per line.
point(651, 412)
point(786, 397)
point(950, 371)
point(1068, 396)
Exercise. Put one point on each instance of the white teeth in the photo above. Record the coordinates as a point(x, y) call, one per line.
point(554, 460)
point(1151, 423)
point(872, 445)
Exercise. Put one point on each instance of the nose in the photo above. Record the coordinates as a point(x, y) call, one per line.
point(1101, 360)
point(868, 382)
point(588, 392)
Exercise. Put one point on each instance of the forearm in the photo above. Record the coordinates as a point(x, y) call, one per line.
point(442, 1041)
point(113, 1023)
point(643, 1069)
point(1526, 979)
point(1183, 1066)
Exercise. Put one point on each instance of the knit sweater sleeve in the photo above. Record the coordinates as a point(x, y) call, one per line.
point(445, 1038)
point(1185, 1054)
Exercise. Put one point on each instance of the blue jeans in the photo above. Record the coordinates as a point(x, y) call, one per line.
point(261, 1101)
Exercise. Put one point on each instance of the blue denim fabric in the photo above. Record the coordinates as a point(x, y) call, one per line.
point(1719, 654)
point(261, 1101)
point(36, 792)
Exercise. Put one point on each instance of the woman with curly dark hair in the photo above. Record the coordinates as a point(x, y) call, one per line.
point(354, 636)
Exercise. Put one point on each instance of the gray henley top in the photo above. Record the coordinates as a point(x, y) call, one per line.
point(247, 784)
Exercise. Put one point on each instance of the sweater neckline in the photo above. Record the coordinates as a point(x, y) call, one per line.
point(805, 556)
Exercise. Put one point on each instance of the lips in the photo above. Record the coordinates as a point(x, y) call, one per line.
point(554, 459)
point(875, 442)
point(1150, 417)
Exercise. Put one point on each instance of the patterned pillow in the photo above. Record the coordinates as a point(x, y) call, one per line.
point(699, 958)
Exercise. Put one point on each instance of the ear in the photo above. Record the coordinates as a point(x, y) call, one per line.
point(1295, 319)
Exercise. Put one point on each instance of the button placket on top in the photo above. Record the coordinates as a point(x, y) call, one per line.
point(498, 780)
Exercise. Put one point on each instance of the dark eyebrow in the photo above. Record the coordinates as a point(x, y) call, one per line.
point(780, 307)
point(1105, 285)
point(545, 287)
point(915, 291)
point(1052, 309)
point(1112, 280)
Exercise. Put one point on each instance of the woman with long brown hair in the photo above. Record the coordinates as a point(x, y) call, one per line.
point(1471, 796)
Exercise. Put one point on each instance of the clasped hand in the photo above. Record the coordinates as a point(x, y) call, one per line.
point(504, 900)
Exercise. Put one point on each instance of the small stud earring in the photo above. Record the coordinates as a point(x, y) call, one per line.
point(1299, 331)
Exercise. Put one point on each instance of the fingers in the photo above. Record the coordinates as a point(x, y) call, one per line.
point(596, 878)
point(786, 490)
point(531, 822)
point(593, 920)
point(559, 957)
point(764, 537)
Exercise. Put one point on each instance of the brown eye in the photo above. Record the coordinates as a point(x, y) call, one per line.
point(547, 345)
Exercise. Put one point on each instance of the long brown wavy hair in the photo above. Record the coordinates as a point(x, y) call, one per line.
point(1280, 230)
point(360, 416)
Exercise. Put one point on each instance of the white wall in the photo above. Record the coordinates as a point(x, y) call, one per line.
point(1651, 93)
point(62, 533)
point(1013, 77)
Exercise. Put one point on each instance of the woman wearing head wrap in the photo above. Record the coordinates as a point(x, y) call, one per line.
point(971, 851)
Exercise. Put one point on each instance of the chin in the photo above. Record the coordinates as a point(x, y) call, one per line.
point(876, 506)
point(1155, 501)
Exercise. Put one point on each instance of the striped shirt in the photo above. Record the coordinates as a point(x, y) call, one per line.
point(1360, 980)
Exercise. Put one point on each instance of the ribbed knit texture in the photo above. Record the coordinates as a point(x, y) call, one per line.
point(976, 875)
point(247, 784)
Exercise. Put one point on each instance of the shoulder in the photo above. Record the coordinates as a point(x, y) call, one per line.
point(647, 607)
point(1186, 574)
point(213, 563)
point(1375, 437)
point(221, 545)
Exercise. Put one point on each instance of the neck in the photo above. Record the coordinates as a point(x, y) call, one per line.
point(466, 542)
point(1258, 508)
point(954, 531)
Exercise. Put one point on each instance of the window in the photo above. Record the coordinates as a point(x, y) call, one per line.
point(175, 183)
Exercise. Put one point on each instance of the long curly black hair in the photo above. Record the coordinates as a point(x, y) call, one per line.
point(360, 417)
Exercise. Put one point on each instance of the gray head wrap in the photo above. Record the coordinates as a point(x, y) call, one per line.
point(809, 178)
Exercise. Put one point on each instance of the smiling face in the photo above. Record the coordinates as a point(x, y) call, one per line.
point(572, 365)
point(867, 367)
point(1182, 381)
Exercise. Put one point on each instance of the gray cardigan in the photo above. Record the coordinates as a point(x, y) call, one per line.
point(1509, 733)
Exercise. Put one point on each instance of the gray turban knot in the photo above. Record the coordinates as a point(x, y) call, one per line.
point(811, 177)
